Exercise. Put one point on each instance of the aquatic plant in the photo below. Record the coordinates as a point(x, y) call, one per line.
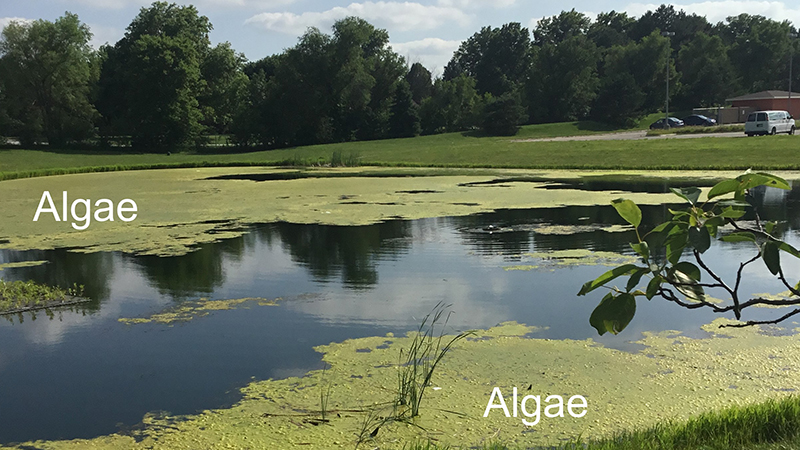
point(324, 396)
point(679, 281)
point(419, 361)
point(16, 296)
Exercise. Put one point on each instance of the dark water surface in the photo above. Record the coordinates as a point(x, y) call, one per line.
point(81, 373)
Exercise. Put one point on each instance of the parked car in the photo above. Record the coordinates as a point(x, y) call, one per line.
point(699, 120)
point(674, 122)
point(769, 122)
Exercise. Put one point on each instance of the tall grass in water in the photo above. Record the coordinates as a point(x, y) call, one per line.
point(419, 361)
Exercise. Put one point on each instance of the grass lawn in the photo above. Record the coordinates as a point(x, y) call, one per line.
point(446, 150)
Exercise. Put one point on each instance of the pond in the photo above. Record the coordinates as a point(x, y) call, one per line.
point(83, 373)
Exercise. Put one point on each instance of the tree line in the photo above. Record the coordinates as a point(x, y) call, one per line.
point(164, 86)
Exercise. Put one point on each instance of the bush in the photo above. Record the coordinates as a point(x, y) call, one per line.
point(503, 115)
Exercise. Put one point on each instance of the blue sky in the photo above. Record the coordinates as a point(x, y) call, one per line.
point(427, 31)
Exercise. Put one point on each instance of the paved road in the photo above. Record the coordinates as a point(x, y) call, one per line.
point(632, 135)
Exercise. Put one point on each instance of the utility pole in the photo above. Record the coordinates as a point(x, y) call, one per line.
point(792, 36)
point(667, 34)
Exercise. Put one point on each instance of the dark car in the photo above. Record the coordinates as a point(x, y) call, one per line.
point(699, 120)
point(674, 122)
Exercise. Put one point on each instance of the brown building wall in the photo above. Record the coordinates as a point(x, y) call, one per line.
point(780, 104)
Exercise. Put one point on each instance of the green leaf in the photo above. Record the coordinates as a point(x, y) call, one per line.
point(699, 238)
point(628, 211)
point(769, 226)
point(613, 313)
point(771, 256)
point(653, 285)
point(789, 249)
point(690, 194)
point(642, 249)
point(589, 286)
point(633, 281)
point(731, 212)
point(688, 269)
point(740, 236)
point(754, 179)
point(675, 245)
point(686, 285)
point(723, 187)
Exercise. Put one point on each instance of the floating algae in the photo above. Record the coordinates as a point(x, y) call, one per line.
point(672, 378)
point(198, 308)
point(178, 209)
point(19, 264)
point(575, 257)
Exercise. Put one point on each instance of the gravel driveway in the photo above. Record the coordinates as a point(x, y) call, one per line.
point(631, 135)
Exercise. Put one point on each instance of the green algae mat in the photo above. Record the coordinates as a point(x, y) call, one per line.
point(181, 208)
point(673, 377)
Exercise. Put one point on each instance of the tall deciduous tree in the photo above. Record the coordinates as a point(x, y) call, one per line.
point(454, 106)
point(610, 29)
point(564, 80)
point(404, 121)
point(47, 70)
point(557, 29)
point(420, 81)
point(759, 50)
point(152, 77)
point(224, 87)
point(497, 58)
point(707, 76)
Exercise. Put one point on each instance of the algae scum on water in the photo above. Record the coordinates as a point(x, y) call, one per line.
point(178, 209)
point(673, 377)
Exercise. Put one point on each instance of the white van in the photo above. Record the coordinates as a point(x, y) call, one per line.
point(769, 122)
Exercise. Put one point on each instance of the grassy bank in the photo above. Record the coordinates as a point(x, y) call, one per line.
point(771, 425)
point(18, 296)
point(445, 150)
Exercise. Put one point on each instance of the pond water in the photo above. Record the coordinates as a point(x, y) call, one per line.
point(82, 373)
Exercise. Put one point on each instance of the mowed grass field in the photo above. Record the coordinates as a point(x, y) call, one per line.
point(467, 149)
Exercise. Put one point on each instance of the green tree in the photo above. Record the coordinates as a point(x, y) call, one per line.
point(557, 29)
point(664, 272)
point(564, 80)
point(619, 100)
point(707, 75)
point(404, 120)
point(665, 18)
point(421, 83)
point(503, 115)
point(47, 72)
point(152, 78)
point(498, 59)
point(454, 106)
point(610, 29)
point(759, 51)
point(646, 62)
point(224, 87)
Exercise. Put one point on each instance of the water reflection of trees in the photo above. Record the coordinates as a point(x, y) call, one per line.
point(198, 272)
point(351, 252)
point(523, 222)
point(92, 270)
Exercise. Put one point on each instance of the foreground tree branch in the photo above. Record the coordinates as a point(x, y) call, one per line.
point(680, 281)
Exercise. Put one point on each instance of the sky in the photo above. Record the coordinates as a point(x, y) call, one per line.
point(426, 31)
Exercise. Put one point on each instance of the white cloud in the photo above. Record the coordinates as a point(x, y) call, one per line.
point(119, 4)
point(433, 53)
point(717, 11)
point(4, 21)
point(477, 3)
point(399, 16)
